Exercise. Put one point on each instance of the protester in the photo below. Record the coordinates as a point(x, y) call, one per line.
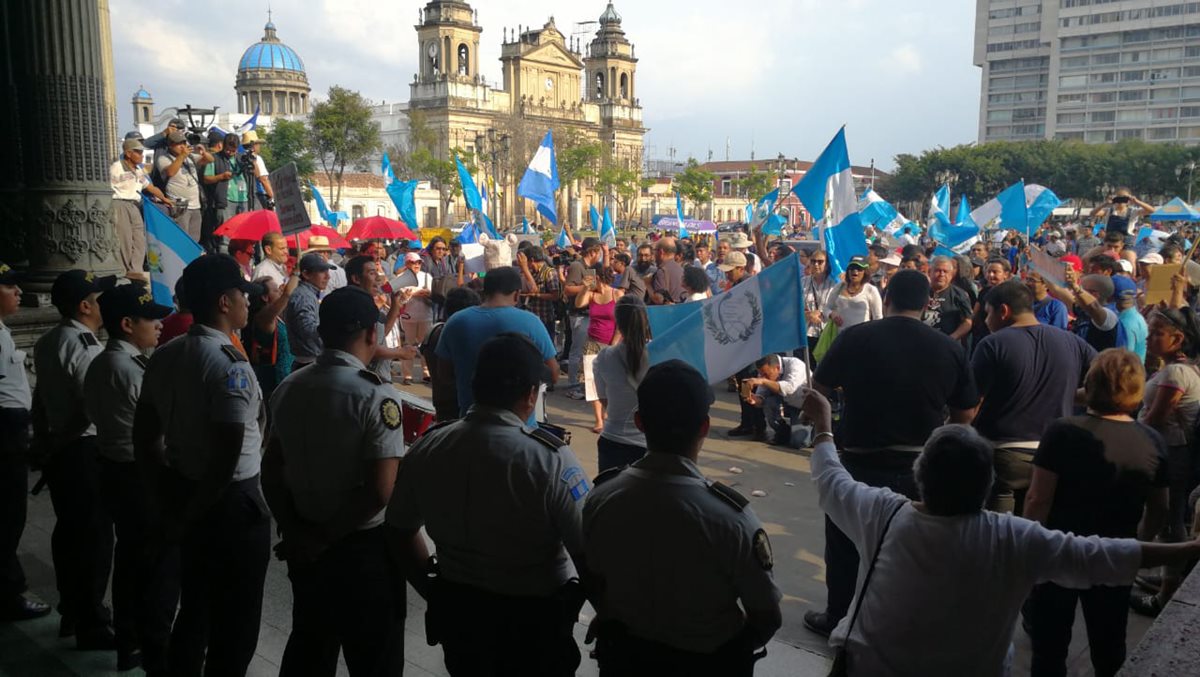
point(705, 262)
point(1121, 213)
point(779, 390)
point(882, 433)
point(416, 317)
point(177, 173)
point(618, 370)
point(1027, 374)
point(854, 300)
point(695, 283)
point(995, 272)
point(366, 273)
point(1095, 474)
point(542, 287)
point(129, 182)
point(629, 282)
point(237, 194)
point(1047, 309)
point(1125, 293)
point(818, 288)
point(275, 256)
point(574, 283)
point(947, 578)
point(319, 244)
point(301, 316)
point(1097, 321)
point(328, 487)
point(242, 251)
point(645, 526)
point(441, 372)
point(752, 422)
point(667, 285)
point(266, 334)
point(510, 572)
point(949, 309)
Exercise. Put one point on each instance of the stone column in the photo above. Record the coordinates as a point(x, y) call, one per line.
point(55, 197)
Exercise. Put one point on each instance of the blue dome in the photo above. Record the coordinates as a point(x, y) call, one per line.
point(142, 94)
point(274, 55)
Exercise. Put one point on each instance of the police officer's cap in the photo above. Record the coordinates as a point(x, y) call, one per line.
point(347, 310)
point(74, 286)
point(208, 277)
point(10, 276)
point(130, 300)
point(674, 392)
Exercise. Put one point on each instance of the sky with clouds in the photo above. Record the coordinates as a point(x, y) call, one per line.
point(778, 76)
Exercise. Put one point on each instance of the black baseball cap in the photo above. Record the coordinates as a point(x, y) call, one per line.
point(347, 310)
point(675, 392)
point(859, 261)
point(208, 277)
point(313, 263)
point(130, 300)
point(10, 276)
point(76, 285)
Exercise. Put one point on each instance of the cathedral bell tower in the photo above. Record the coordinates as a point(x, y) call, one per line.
point(610, 62)
point(448, 39)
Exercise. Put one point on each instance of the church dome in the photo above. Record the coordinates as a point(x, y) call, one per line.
point(141, 94)
point(270, 53)
point(610, 15)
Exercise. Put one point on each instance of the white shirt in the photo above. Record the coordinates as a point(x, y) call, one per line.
point(275, 271)
point(127, 184)
point(418, 309)
point(14, 384)
point(793, 376)
point(866, 305)
point(946, 591)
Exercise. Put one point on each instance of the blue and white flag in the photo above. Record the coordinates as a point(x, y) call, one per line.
point(679, 216)
point(774, 225)
point(723, 333)
point(594, 218)
point(483, 196)
point(1042, 202)
point(541, 179)
point(939, 206)
point(524, 226)
point(762, 211)
point(750, 212)
point(404, 196)
point(1009, 212)
point(322, 209)
point(386, 167)
point(957, 238)
point(873, 210)
point(608, 231)
point(470, 192)
point(827, 192)
point(168, 249)
point(563, 241)
point(469, 234)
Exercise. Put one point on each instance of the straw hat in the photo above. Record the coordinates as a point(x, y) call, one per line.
point(738, 240)
point(318, 243)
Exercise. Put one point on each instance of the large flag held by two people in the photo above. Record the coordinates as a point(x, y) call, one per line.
point(1021, 207)
point(827, 192)
point(541, 179)
point(722, 334)
point(168, 249)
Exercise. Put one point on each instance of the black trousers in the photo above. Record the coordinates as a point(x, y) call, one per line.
point(751, 416)
point(81, 544)
point(488, 635)
point(613, 454)
point(621, 654)
point(142, 614)
point(211, 218)
point(891, 469)
point(14, 491)
point(222, 566)
point(1050, 612)
point(351, 598)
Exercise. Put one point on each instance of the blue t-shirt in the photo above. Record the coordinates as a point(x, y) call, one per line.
point(1052, 312)
point(1136, 331)
point(467, 331)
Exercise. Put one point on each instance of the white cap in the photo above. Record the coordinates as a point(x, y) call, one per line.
point(1125, 265)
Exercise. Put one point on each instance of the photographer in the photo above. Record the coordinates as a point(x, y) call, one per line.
point(178, 169)
point(1122, 211)
point(217, 176)
point(255, 171)
point(158, 141)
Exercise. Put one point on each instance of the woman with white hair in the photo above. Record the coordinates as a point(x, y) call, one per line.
point(941, 580)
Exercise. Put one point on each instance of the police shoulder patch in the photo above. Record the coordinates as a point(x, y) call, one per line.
point(233, 353)
point(762, 550)
point(576, 481)
point(389, 412)
point(545, 437)
point(370, 376)
point(608, 475)
point(89, 339)
point(728, 495)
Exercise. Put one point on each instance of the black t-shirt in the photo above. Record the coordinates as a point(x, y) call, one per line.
point(1105, 469)
point(216, 194)
point(1027, 377)
point(947, 309)
point(899, 375)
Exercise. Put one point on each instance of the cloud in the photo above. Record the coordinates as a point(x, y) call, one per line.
point(903, 60)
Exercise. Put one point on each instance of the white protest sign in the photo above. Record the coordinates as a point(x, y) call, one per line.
point(1050, 268)
point(473, 253)
point(289, 203)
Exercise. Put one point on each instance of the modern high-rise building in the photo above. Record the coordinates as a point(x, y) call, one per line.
point(1092, 70)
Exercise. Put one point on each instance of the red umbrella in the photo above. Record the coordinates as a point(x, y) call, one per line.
point(335, 240)
point(250, 225)
point(379, 228)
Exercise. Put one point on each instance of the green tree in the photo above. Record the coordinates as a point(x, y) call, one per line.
point(755, 184)
point(694, 184)
point(578, 161)
point(342, 133)
point(288, 141)
point(442, 175)
point(625, 185)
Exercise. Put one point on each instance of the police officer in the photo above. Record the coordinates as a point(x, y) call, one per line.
point(328, 474)
point(672, 553)
point(501, 502)
point(15, 400)
point(81, 544)
point(197, 431)
point(110, 391)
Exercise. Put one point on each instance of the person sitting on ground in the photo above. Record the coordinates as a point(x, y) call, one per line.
point(778, 389)
point(947, 578)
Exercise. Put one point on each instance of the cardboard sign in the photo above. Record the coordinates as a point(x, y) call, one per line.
point(473, 253)
point(427, 234)
point(1158, 286)
point(289, 203)
point(1050, 268)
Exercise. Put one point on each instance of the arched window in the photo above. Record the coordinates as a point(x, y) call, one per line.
point(599, 84)
point(464, 64)
point(624, 86)
point(145, 114)
point(431, 54)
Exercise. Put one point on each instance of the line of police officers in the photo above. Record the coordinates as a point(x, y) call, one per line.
point(678, 567)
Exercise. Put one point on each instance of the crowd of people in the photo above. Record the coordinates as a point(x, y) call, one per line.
point(987, 444)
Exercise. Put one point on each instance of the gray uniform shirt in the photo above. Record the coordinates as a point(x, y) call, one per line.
point(110, 394)
point(14, 384)
point(330, 420)
point(302, 318)
point(499, 503)
point(61, 357)
point(675, 556)
point(193, 380)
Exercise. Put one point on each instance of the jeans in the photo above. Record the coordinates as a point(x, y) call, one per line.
point(885, 468)
point(613, 454)
point(1050, 611)
point(579, 329)
point(780, 417)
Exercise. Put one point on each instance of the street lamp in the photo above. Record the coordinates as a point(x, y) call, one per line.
point(1191, 170)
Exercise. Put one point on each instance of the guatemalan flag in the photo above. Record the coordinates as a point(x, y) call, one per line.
point(474, 201)
point(875, 211)
point(168, 249)
point(1021, 207)
point(723, 333)
point(541, 179)
point(939, 207)
point(563, 241)
point(608, 231)
point(827, 192)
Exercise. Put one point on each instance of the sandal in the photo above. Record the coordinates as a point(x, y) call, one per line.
point(1145, 605)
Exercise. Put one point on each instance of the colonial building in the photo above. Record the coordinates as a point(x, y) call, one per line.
point(271, 78)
